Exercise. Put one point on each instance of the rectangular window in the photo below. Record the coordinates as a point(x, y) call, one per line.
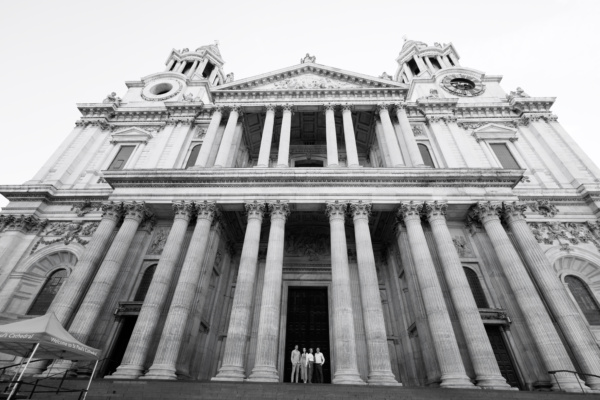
point(121, 158)
point(414, 68)
point(504, 156)
point(435, 63)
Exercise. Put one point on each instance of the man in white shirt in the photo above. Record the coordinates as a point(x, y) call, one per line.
point(311, 362)
point(319, 361)
point(295, 363)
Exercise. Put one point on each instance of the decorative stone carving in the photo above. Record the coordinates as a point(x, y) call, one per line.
point(308, 59)
point(112, 98)
point(84, 207)
point(358, 208)
point(385, 75)
point(565, 232)
point(311, 82)
point(158, 242)
point(440, 118)
point(89, 229)
point(200, 133)
point(433, 94)
point(189, 97)
point(417, 130)
point(66, 232)
point(23, 223)
point(306, 242)
point(462, 246)
point(544, 207)
point(517, 93)
point(229, 78)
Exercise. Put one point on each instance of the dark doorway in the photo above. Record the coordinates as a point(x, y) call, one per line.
point(118, 350)
point(308, 164)
point(507, 368)
point(307, 326)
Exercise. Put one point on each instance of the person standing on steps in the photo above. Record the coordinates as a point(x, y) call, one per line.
point(311, 362)
point(295, 364)
point(319, 361)
point(303, 363)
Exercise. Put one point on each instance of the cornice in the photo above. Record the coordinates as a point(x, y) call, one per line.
point(50, 194)
point(309, 95)
point(532, 104)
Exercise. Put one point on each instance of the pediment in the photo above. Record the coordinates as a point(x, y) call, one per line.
point(310, 76)
point(131, 135)
point(495, 131)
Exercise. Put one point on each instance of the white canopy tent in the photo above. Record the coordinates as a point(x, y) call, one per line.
point(43, 337)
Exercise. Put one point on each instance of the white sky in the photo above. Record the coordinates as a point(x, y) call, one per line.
point(58, 53)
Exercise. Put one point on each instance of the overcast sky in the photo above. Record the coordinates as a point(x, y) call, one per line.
point(58, 53)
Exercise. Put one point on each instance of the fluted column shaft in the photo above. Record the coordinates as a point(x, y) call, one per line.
point(232, 368)
point(442, 332)
point(380, 370)
point(267, 138)
point(480, 350)
point(265, 365)
point(228, 135)
point(409, 137)
point(132, 365)
point(390, 136)
point(331, 136)
point(193, 268)
point(209, 138)
point(349, 137)
point(73, 290)
point(572, 324)
point(89, 311)
point(542, 330)
point(346, 366)
point(283, 157)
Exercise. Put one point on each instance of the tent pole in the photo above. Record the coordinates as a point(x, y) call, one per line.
point(23, 371)
point(90, 381)
point(17, 370)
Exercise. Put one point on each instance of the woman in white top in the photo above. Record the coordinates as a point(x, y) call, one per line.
point(303, 364)
point(311, 362)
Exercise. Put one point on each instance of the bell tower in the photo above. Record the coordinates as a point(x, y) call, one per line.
point(204, 63)
point(418, 59)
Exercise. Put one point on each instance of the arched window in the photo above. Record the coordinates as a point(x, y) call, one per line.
point(46, 295)
point(140, 295)
point(193, 156)
point(585, 299)
point(426, 155)
point(476, 288)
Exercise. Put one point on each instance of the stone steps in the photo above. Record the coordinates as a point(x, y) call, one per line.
point(104, 389)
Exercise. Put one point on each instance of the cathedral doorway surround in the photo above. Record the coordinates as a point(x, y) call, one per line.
point(284, 357)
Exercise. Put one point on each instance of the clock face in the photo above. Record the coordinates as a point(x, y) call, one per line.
point(463, 85)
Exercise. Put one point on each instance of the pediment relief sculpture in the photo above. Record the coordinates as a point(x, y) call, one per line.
point(304, 82)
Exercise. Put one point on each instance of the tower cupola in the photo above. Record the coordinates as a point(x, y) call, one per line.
point(417, 59)
point(204, 63)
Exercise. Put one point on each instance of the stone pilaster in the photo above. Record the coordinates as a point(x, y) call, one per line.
point(193, 268)
point(209, 138)
point(349, 137)
point(267, 137)
point(283, 158)
point(331, 135)
point(346, 366)
point(442, 333)
point(409, 136)
point(232, 368)
point(265, 366)
point(380, 370)
point(550, 347)
point(572, 324)
point(132, 365)
point(228, 136)
point(482, 356)
point(390, 136)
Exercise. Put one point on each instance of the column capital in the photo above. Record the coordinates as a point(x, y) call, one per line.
point(400, 106)
point(484, 211)
point(255, 210)
point(136, 210)
point(287, 107)
point(206, 210)
point(279, 209)
point(336, 210)
point(347, 108)
point(410, 210)
point(183, 209)
point(436, 210)
point(329, 107)
point(514, 211)
point(112, 210)
point(360, 210)
point(235, 108)
point(270, 107)
point(382, 107)
point(217, 109)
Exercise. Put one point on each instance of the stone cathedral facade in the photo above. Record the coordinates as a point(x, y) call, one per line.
point(426, 229)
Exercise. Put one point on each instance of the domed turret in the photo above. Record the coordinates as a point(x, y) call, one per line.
point(418, 58)
point(203, 63)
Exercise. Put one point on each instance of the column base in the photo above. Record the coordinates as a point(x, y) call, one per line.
point(127, 372)
point(282, 166)
point(493, 382)
point(161, 372)
point(593, 383)
point(457, 381)
point(354, 166)
point(264, 374)
point(347, 378)
point(333, 166)
point(382, 379)
point(569, 383)
point(230, 374)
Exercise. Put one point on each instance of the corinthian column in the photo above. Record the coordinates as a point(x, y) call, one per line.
point(89, 311)
point(346, 367)
point(209, 138)
point(265, 366)
point(228, 135)
point(550, 347)
point(380, 369)
point(283, 158)
point(390, 136)
point(331, 136)
point(442, 333)
point(349, 137)
point(572, 324)
point(74, 288)
point(409, 136)
point(132, 365)
point(486, 368)
point(232, 368)
point(193, 268)
point(267, 137)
